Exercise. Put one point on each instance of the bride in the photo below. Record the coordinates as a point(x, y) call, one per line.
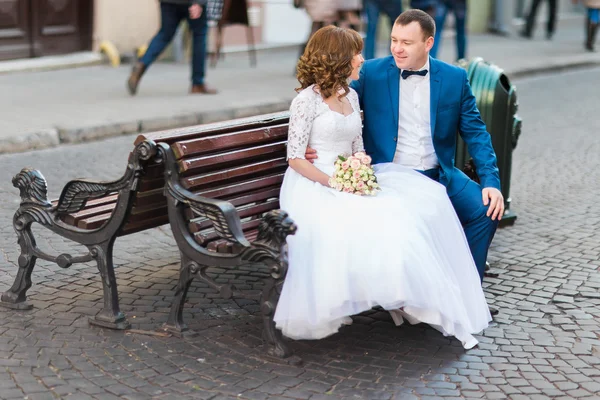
point(403, 249)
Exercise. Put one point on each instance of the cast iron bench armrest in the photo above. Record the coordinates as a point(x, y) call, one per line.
point(223, 215)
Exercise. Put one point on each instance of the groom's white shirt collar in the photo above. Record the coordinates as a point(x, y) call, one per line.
point(426, 66)
point(414, 147)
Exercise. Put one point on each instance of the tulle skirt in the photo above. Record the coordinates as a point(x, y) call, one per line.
point(403, 249)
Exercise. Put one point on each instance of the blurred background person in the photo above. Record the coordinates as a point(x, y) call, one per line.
point(372, 8)
point(459, 10)
point(321, 13)
point(171, 14)
point(498, 23)
point(349, 14)
point(527, 32)
point(591, 22)
point(429, 6)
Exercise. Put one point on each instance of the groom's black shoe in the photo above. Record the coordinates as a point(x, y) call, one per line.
point(493, 311)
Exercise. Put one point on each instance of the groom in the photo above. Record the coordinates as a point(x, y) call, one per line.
point(414, 106)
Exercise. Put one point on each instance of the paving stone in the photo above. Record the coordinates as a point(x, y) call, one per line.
point(544, 343)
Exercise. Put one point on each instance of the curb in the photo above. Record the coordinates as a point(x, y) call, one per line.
point(52, 63)
point(528, 72)
point(55, 136)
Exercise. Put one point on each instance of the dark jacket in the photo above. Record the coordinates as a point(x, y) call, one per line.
point(185, 2)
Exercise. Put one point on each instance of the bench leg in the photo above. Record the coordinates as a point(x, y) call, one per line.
point(15, 297)
point(111, 316)
point(274, 343)
point(175, 324)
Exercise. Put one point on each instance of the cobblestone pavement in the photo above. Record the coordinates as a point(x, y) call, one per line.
point(544, 344)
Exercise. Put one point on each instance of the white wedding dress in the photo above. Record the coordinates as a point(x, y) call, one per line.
point(403, 249)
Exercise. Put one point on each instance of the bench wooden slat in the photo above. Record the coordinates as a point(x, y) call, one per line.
point(228, 191)
point(201, 223)
point(73, 219)
point(228, 141)
point(216, 161)
point(110, 198)
point(264, 167)
point(225, 246)
point(206, 237)
point(191, 132)
point(139, 217)
point(250, 197)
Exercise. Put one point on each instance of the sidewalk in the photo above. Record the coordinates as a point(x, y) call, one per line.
point(44, 109)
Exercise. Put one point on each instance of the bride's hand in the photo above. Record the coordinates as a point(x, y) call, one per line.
point(311, 154)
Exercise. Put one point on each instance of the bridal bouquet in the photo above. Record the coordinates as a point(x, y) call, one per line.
point(355, 175)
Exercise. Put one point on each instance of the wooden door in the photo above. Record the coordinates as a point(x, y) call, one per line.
point(60, 26)
point(33, 28)
point(15, 29)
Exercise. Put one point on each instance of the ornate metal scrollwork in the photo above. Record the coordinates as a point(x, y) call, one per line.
point(35, 207)
point(147, 150)
point(275, 228)
point(33, 190)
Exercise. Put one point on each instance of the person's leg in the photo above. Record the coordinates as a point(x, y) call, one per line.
point(527, 31)
point(372, 12)
point(170, 17)
point(479, 228)
point(199, 28)
point(593, 20)
point(460, 16)
point(552, 10)
point(440, 20)
point(392, 9)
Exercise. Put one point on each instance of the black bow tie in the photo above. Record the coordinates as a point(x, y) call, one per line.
point(406, 73)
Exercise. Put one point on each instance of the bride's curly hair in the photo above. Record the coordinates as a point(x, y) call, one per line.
point(327, 60)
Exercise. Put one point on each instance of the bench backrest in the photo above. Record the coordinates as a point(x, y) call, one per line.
point(242, 161)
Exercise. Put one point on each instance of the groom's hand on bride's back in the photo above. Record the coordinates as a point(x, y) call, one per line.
point(311, 154)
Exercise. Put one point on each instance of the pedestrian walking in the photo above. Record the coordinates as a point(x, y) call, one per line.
point(172, 12)
point(459, 9)
point(591, 22)
point(527, 32)
point(390, 8)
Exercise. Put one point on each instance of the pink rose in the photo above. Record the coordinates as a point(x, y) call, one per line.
point(360, 154)
point(345, 165)
point(366, 160)
point(355, 164)
point(356, 174)
point(347, 190)
point(360, 185)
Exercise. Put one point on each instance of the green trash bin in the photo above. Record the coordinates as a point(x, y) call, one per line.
point(497, 103)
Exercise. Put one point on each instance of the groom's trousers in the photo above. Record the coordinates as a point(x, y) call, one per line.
point(479, 228)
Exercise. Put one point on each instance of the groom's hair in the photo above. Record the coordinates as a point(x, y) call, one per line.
point(421, 17)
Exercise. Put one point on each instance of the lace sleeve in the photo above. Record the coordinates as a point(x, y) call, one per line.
point(357, 143)
point(302, 114)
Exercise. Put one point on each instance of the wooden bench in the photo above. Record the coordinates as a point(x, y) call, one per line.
point(218, 187)
point(217, 184)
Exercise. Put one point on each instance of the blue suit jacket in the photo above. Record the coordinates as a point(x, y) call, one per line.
point(453, 110)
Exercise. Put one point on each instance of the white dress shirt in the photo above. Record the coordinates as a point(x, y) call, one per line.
point(414, 148)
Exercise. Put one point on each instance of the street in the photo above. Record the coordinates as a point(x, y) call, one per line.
point(545, 343)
